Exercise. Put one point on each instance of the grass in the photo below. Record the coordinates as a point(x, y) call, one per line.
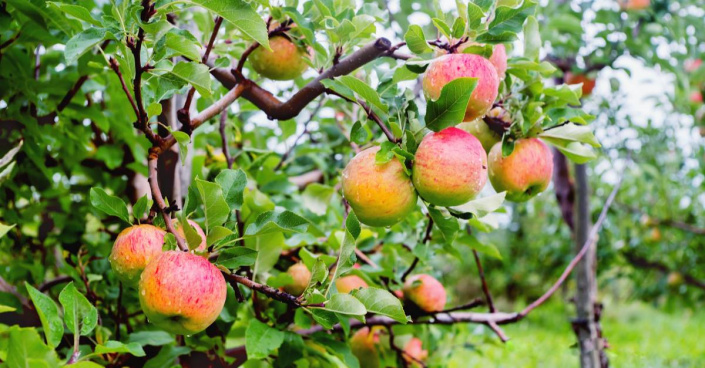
point(639, 335)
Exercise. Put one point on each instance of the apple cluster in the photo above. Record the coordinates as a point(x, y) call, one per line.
point(180, 292)
point(452, 166)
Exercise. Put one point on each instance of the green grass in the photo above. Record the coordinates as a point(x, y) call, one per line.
point(639, 335)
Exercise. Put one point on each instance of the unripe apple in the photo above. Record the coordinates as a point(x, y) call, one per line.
point(300, 276)
point(523, 174)
point(364, 345)
point(426, 292)
point(286, 61)
point(414, 352)
point(634, 4)
point(450, 167)
point(453, 66)
point(134, 248)
point(346, 284)
point(577, 78)
point(180, 231)
point(181, 292)
point(487, 137)
point(380, 194)
point(674, 278)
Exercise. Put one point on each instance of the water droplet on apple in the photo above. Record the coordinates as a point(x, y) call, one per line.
point(144, 292)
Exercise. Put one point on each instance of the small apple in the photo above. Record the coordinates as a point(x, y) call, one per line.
point(346, 284)
point(449, 67)
point(300, 276)
point(286, 61)
point(364, 345)
point(696, 97)
point(523, 174)
point(414, 352)
point(134, 248)
point(577, 78)
point(674, 278)
point(487, 137)
point(181, 292)
point(426, 292)
point(202, 247)
point(450, 167)
point(692, 65)
point(380, 194)
point(634, 4)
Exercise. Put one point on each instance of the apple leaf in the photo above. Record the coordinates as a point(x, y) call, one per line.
point(276, 221)
point(113, 346)
point(233, 183)
point(449, 109)
point(166, 356)
point(345, 304)
point(110, 205)
point(472, 242)
point(236, 257)
point(481, 207)
point(416, 41)
point(241, 15)
point(140, 207)
point(82, 42)
point(154, 338)
point(79, 314)
point(261, 340)
point(48, 314)
point(382, 302)
point(215, 207)
point(194, 73)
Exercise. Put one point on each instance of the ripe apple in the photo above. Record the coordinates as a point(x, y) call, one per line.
point(414, 352)
point(202, 247)
point(181, 292)
point(450, 167)
point(364, 345)
point(301, 276)
point(426, 292)
point(380, 194)
point(696, 96)
point(523, 174)
point(134, 248)
point(498, 57)
point(346, 284)
point(577, 78)
point(453, 66)
point(634, 4)
point(692, 65)
point(286, 61)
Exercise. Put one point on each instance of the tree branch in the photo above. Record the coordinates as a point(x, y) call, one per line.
point(293, 145)
point(269, 291)
point(49, 118)
point(640, 261)
point(159, 200)
point(116, 68)
point(218, 21)
point(485, 288)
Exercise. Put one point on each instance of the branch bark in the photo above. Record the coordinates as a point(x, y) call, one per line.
point(159, 200)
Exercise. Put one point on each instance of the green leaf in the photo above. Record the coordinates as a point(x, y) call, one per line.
point(510, 20)
point(166, 356)
point(25, 349)
point(365, 92)
point(140, 207)
point(316, 198)
point(110, 205)
point(345, 304)
point(80, 316)
point(565, 93)
point(571, 132)
point(345, 258)
point(447, 225)
point(261, 340)
point(442, 27)
point(182, 46)
point(4, 229)
point(481, 207)
point(458, 28)
point(195, 74)
point(449, 109)
point(154, 109)
point(358, 133)
point(385, 153)
point(7, 308)
point(154, 338)
point(575, 151)
point(236, 257)
point(472, 242)
point(276, 221)
point(11, 154)
point(532, 39)
point(214, 205)
point(416, 41)
point(475, 15)
point(82, 42)
point(49, 315)
point(242, 17)
point(183, 140)
point(319, 273)
point(382, 302)
point(233, 183)
point(113, 346)
point(352, 225)
point(222, 62)
point(484, 5)
point(217, 233)
point(325, 318)
point(75, 11)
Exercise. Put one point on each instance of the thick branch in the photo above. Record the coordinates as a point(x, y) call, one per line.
point(159, 200)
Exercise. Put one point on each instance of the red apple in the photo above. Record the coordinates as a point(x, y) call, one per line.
point(426, 292)
point(523, 174)
point(286, 61)
point(588, 83)
point(300, 276)
point(365, 346)
point(134, 248)
point(414, 352)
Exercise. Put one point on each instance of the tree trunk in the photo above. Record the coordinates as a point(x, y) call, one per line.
point(584, 324)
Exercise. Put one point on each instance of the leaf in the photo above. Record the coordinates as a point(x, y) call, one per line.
point(510, 20)
point(113, 346)
point(472, 242)
point(382, 302)
point(82, 42)
point(154, 338)
point(345, 258)
point(236, 257)
point(275, 221)
point(358, 133)
point(575, 151)
point(217, 233)
point(565, 93)
point(76, 11)
point(195, 74)
point(7, 308)
point(4, 229)
point(352, 225)
point(345, 304)
point(532, 39)
point(233, 183)
point(110, 205)
point(80, 316)
point(48, 314)
point(261, 340)
point(242, 17)
point(442, 27)
point(447, 225)
point(182, 46)
point(365, 92)
point(475, 15)
point(166, 356)
point(319, 273)
point(385, 153)
point(416, 41)
point(325, 318)
point(481, 207)
point(449, 109)
point(458, 28)
point(183, 140)
point(154, 109)
point(571, 132)
point(11, 154)
point(140, 207)
point(484, 5)
point(25, 349)
point(316, 198)
point(214, 205)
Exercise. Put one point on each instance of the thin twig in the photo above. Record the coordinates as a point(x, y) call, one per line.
point(224, 138)
point(426, 239)
point(116, 67)
point(379, 122)
point(189, 97)
point(159, 200)
point(269, 291)
point(485, 288)
point(305, 131)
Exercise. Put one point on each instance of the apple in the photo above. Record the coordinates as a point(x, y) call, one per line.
point(692, 65)
point(202, 247)
point(523, 174)
point(634, 4)
point(380, 194)
point(346, 284)
point(286, 60)
point(449, 67)
point(414, 352)
point(577, 78)
point(181, 292)
point(134, 248)
point(498, 57)
point(478, 128)
point(450, 167)
point(364, 345)
point(426, 292)
point(300, 276)
point(696, 96)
